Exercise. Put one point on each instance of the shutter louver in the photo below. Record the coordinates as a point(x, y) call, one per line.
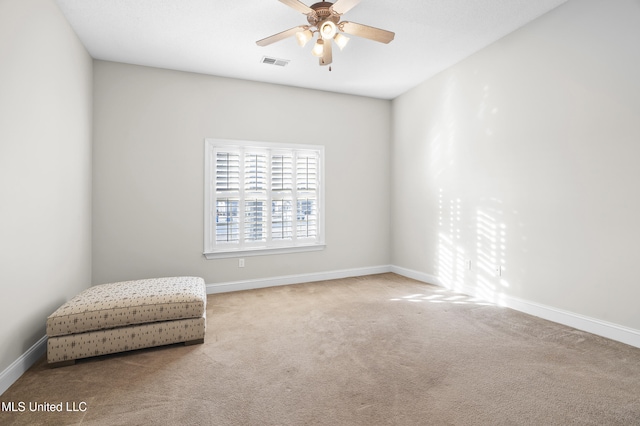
point(307, 223)
point(281, 208)
point(255, 172)
point(306, 206)
point(281, 172)
point(227, 171)
point(227, 223)
point(255, 220)
point(307, 173)
point(281, 219)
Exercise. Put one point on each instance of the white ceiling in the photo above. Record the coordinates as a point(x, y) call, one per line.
point(218, 37)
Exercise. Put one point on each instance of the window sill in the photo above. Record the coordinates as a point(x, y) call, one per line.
point(226, 254)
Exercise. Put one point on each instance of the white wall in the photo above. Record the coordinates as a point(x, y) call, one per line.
point(525, 155)
point(148, 165)
point(45, 170)
point(522, 155)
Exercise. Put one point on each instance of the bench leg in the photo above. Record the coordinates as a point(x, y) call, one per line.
point(62, 363)
point(194, 342)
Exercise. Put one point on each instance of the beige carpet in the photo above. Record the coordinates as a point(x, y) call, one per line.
point(378, 350)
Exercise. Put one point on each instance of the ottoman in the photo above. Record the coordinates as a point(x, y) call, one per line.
point(127, 315)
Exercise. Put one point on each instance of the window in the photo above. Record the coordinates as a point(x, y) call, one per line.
point(262, 198)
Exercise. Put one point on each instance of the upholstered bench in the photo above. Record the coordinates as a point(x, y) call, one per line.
point(127, 315)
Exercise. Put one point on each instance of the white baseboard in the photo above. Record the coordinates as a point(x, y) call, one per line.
point(420, 276)
point(591, 325)
point(609, 330)
point(295, 279)
point(22, 364)
point(26, 360)
point(606, 329)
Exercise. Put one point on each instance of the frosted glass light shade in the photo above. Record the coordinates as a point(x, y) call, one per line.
point(318, 49)
point(327, 30)
point(303, 37)
point(341, 40)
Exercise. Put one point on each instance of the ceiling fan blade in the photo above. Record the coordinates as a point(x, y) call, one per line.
point(372, 33)
point(280, 36)
point(327, 53)
point(299, 6)
point(343, 6)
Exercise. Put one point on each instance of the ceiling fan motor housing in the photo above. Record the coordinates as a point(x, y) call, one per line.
point(322, 13)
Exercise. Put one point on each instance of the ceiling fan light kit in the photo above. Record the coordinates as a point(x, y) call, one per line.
point(318, 49)
point(304, 36)
point(341, 40)
point(327, 29)
point(324, 19)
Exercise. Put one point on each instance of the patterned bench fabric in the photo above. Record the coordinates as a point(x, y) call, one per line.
point(102, 342)
point(127, 303)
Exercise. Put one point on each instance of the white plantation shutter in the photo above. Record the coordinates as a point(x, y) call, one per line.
point(227, 186)
point(227, 221)
point(281, 219)
point(227, 171)
point(307, 185)
point(255, 171)
point(262, 197)
point(255, 192)
point(307, 172)
point(281, 172)
point(307, 223)
point(255, 225)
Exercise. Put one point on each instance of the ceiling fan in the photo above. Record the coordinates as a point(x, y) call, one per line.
point(324, 19)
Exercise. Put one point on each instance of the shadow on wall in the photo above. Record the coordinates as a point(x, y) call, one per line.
point(471, 252)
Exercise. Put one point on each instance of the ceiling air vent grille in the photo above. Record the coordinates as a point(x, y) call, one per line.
point(274, 61)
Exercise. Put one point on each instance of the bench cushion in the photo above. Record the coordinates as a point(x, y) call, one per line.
point(124, 303)
point(102, 342)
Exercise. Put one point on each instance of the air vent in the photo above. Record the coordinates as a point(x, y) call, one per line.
point(274, 61)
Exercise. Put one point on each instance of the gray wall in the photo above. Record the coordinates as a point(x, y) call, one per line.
point(45, 170)
point(525, 155)
point(148, 171)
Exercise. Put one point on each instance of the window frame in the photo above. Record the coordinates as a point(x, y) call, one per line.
point(214, 249)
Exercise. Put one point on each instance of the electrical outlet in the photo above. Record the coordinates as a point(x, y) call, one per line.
point(240, 263)
point(499, 271)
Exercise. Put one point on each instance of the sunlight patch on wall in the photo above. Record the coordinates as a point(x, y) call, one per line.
point(444, 132)
point(491, 240)
point(452, 259)
point(486, 112)
point(471, 251)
